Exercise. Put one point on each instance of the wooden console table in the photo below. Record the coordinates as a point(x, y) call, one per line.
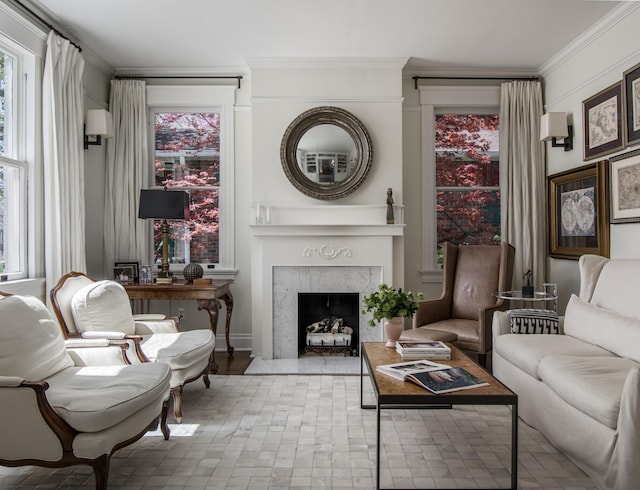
point(207, 296)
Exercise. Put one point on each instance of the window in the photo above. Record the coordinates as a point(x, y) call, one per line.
point(193, 151)
point(187, 157)
point(460, 170)
point(13, 172)
point(467, 179)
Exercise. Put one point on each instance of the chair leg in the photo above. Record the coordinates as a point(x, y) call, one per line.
point(164, 427)
point(482, 360)
point(101, 471)
point(176, 397)
point(205, 378)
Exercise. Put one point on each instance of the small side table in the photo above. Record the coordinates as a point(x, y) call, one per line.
point(549, 295)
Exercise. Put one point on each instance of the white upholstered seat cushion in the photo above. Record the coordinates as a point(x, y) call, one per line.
point(102, 306)
point(593, 385)
point(181, 349)
point(526, 351)
point(92, 399)
point(31, 342)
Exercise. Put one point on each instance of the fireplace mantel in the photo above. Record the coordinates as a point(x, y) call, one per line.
point(353, 242)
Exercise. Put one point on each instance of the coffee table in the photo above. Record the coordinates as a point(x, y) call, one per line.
point(391, 393)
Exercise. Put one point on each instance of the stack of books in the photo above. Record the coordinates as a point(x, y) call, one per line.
point(424, 350)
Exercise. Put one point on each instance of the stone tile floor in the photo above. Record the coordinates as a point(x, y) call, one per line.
point(307, 432)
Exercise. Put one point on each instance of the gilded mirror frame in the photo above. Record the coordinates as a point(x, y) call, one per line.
point(333, 116)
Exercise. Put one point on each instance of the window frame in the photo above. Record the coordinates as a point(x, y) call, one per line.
point(192, 98)
point(438, 100)
point(25, 144)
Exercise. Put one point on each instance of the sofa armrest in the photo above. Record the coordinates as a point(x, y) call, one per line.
point(165, 325)
point(98, 352)
point(105, 335)
point(500, 324)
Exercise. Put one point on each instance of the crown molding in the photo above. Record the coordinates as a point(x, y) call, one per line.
point(588, 37)
point(334, 62)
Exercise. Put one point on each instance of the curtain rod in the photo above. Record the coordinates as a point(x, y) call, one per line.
point(138, 77)
point(45, 23)
point(418, 77)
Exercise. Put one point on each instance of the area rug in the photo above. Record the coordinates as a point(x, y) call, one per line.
point(300, 431)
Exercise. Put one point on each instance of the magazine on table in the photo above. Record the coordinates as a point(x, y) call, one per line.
point(424, 346)
point(425, 350)
point(400, 370)
point(446, 380)
point(426, 355)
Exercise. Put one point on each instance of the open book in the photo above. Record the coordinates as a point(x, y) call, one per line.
point(446, 380)
point(400, 370)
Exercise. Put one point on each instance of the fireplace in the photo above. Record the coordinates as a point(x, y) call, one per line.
point(318, 249)
point(328, 323)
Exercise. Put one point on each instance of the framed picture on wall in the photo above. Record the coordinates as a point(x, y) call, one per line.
point(578, 214)
point(603, 122)
point(624, 179)
point(632, 104)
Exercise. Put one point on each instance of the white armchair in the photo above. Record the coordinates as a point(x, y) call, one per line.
point(58, 410)
point(92, 309)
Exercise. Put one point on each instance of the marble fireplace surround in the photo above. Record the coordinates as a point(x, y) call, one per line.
point(315, 249)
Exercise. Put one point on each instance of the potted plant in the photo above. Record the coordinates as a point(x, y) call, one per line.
point(392, 305)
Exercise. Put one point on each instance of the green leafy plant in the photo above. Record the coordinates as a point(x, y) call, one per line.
point(388, 302)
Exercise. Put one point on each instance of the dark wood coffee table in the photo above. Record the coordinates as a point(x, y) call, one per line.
point(391, 393)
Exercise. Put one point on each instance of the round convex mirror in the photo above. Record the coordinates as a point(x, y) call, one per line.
point(326, 153)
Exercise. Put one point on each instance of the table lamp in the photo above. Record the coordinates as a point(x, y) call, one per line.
point(163, 204)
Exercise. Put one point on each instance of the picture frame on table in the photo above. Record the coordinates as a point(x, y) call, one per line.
point(631, 79)
point(624, 180)
point(603, 122)
point(578, 214)
point(126, 272)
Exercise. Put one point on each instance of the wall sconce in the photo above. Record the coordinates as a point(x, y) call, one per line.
point(164, 205)
point(553, 126)
point(97, 123)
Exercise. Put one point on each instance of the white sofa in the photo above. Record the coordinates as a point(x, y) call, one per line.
point(581, 388)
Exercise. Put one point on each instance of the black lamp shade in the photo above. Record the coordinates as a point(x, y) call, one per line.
point(163, 204)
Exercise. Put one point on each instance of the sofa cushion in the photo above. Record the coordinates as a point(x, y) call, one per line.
point(532, 320)
point(526, 351)
point(608, 329)
point(593, 385)
point(617, 287)
point(102, 306)
point(91, 399)
point(31, 342)
point(180, 349)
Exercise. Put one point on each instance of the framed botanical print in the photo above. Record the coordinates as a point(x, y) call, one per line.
point(578, 215)
point(603, 122)
point(624, 179)
point(632, 104)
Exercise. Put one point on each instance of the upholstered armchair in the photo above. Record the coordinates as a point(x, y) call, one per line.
point(472, 274)
point(58, 410)
point(92, 309)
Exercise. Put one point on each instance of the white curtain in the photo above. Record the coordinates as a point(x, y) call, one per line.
point(62, 128)
point(126, 237)
point(522, 165)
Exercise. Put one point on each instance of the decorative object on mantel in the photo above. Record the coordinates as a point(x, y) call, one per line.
point(527, 287)
point(390, 218)
point(193, 271)
point(392, 305)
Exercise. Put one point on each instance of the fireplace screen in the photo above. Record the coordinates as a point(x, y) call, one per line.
point(328, 323)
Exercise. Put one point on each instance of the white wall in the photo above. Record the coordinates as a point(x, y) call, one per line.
point(594, 62)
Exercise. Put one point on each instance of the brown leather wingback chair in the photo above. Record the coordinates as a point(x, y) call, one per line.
point(472, 274)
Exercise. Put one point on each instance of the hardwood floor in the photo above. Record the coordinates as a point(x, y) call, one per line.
point(235, 363)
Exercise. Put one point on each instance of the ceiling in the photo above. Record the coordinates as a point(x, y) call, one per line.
point(207, 36)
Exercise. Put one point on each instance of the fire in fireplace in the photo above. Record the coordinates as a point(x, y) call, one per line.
point(328, 323)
